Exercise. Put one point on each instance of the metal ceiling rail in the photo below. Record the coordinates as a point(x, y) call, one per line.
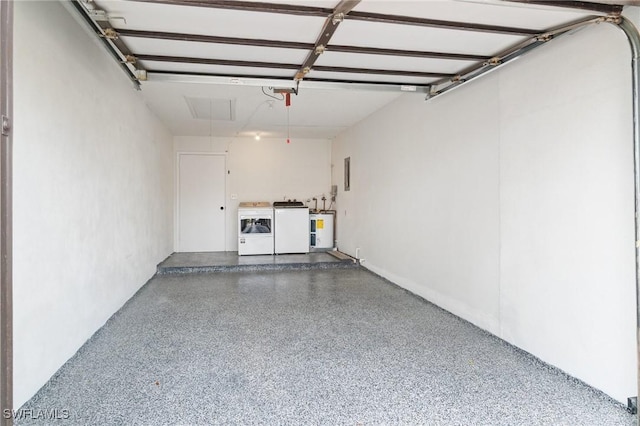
point(435, 23)
point(329, 28)
point(512, 53)
point(296, 45)
point(408, 53)
point(111, 47)
point(355, 15)
point(278, 65)
point(605, 9)
point(288, 9)
point(211, 61)
point(323, 68)
point(160, 35)
point(634, 43)
point(309, 83)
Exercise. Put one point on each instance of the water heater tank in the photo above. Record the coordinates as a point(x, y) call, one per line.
point(321, 231)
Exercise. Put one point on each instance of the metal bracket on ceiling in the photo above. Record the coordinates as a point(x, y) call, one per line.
point(431, 90)
point(446, 85)
point(289, 90)
point(613, 19)
point(141, 75)
point(330, 26)
point(99, 24)
point(130, 59)
point(544, 37)
point(110, 33)
point(302, 73)
point(101, 15)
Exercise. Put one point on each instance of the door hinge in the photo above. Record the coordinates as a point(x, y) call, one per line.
point(6, 125)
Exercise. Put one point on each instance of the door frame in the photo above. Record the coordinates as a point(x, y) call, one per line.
point(176, 227)
point(6, 221)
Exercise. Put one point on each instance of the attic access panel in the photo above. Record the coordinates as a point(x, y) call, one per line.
point(428, 45)
point(211, 108)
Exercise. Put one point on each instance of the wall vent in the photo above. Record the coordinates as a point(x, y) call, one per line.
point(212, 109)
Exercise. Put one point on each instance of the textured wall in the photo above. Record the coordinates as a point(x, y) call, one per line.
point(93, 177)
point(510, 203)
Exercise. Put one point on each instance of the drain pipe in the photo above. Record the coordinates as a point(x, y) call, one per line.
point(634, 40)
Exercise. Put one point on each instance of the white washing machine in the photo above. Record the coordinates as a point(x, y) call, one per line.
point(291, 225)
point(255, 228)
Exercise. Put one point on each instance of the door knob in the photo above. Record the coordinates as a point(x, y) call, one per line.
point(221, 207)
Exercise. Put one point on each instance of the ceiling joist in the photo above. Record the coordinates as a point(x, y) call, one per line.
point(353, 15)
point(249, 6)
point(278, 65)
point(296, 45)
point(332, 69)
point(606, 9)
point(437, 23)
point(160, 35)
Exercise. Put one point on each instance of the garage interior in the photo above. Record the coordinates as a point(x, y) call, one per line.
point(505, 200)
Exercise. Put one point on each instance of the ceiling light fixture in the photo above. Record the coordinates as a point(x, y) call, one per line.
point(257, 136)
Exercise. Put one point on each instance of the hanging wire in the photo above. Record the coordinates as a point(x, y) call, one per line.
point(248, 121)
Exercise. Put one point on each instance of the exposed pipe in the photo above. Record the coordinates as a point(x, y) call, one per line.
point(634, 40)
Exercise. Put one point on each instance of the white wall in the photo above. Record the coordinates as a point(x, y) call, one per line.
point(93, 191)
point(509, 202)
point(266, 170)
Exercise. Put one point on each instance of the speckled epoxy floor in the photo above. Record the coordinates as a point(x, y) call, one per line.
point(205, 262)
point(321, 347)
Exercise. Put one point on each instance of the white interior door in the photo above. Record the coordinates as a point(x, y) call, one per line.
point(201, 202)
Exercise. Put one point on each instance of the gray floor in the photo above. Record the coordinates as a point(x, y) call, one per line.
point(325, 346)
point(181, 263)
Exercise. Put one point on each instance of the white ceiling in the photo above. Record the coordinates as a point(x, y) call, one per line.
point(314, 112)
